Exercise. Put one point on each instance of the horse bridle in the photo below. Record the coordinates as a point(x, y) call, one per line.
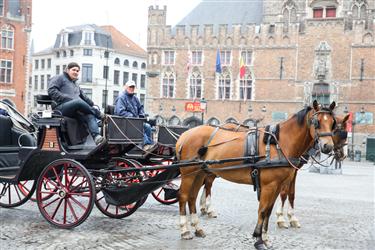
point(315, 122)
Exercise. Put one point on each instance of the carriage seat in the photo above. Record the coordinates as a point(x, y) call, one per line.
point(9, 139)
point(75, 131)
point(44, 99)
point(110, 110)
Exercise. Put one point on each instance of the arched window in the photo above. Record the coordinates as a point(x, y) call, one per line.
point(168, 85)
point(7, 37)
point(174, 120)
point(250, 123)
point(192, 122)
point(126, 62)
point(143, 66)
point(159, 120)
point(135, 64)
point(64, 53)
point(289, 11)
point(231, 120)
point(321, 93)
point(246, 86)
point(117, 61)
point(213, 121)
point(224, 85)
point(195, 86)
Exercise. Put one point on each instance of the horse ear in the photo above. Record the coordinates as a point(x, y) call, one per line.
point(316, 105)
point(332, 106)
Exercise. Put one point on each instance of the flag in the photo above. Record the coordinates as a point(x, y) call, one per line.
point(242, 68)
point(218, 62)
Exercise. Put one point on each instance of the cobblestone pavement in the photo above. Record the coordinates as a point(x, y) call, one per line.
point(335, 211)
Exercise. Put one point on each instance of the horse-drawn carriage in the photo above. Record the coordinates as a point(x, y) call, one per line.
point(69, 179)
point(55, 157)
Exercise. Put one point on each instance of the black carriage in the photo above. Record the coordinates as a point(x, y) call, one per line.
point(69, 173)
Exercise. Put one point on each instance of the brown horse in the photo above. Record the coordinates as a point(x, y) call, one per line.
point(296, 135)
point(288, 191)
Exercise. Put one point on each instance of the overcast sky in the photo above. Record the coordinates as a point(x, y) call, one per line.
point(128, 16)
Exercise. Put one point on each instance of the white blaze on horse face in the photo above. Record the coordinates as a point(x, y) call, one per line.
point(325, 117)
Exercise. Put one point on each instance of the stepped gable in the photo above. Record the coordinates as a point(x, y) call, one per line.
point(122, 43)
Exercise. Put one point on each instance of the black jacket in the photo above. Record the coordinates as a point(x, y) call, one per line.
point(62, 89)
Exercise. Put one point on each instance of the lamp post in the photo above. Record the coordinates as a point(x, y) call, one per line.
point(203, 106)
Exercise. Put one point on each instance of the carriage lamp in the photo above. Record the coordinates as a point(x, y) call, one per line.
point(362, 111)
point(264, 108)
point(203, 106)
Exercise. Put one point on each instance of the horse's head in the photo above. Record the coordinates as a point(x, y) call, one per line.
point(339, 137)
point(322, 123)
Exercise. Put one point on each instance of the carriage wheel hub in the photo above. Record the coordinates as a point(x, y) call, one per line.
point(62, 193)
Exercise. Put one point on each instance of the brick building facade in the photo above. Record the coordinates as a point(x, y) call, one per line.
point(15, 28)
point(294, 51)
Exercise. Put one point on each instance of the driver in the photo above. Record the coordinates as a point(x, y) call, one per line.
point(72, 102)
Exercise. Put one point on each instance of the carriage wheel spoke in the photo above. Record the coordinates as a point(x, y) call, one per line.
point(17, 192)
point(57, 177)
point(9, 192)
point(46, 205)
point(65, 208)
point(57, 208)
point(80, 194)
point(78, 203)
point(72, 210)
point(76, 187)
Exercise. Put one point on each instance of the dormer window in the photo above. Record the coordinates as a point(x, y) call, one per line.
point(318, 13)
point(331, 12)
point(324, 8)
point(88, 38)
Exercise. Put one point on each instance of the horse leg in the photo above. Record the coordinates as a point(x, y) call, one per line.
point(192, 204)
point(208, 186)
point(202, 201)
point(291, 195)
point(267, 200)
point(185, 189)
point(281, 222)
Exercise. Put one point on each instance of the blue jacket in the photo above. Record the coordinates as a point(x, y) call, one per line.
point(129, 106)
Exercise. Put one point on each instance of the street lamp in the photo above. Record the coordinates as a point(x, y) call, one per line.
point(203, 106)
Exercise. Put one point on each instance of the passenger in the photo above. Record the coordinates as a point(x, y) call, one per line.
point(72, 102)
point(128, 105)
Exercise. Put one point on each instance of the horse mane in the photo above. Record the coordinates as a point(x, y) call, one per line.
point(301, 115)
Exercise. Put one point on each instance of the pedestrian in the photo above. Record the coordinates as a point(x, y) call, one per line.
point(128, 105)
point(71, 101)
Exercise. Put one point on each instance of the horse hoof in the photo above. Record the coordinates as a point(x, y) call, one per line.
point(268, 244)
point(186, 236)
point(203, 211)
point(282, 224)
point(295, 224)
point(212, 215)
point(260, 246)
point(200, 233)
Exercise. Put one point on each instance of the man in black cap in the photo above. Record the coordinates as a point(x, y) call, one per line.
point(71, 101)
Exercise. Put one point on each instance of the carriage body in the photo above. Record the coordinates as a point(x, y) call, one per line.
point(52, 165)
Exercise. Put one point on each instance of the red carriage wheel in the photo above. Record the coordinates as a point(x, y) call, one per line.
point(65, 193)
point(166, 194)
point(13, 195)
point(113, 178)
point(24, 187)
